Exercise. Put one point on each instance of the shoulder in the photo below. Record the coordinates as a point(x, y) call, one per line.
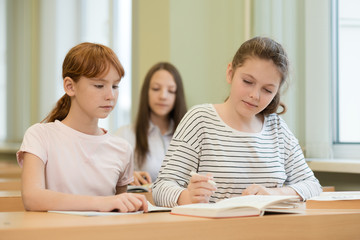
point(125, 130)
point(276, 123)
point(40, 129)
point(118, 140)
point(201, 110)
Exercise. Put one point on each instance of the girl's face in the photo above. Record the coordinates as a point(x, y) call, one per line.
point(253, 85)
point(162, 93)
point(97, 97)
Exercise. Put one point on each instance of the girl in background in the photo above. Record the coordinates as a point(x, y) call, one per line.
point(162, 105)
point(242, 144)
point(68, 162)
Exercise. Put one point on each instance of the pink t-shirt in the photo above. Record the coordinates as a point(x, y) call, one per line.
point(79, 163)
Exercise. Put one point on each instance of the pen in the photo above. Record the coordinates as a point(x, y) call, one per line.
point(192, 173)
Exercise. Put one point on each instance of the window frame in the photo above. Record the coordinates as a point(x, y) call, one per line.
point(340, 149)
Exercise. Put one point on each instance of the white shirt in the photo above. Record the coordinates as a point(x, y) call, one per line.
point(158, 145)
point(78, 163)
point(204, 143)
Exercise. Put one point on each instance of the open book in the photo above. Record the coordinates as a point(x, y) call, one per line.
point(335, 200)
point(151, 208)
point(251, 205)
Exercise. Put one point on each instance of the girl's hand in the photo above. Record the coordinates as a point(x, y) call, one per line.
point(141, 178)
point(256, 189)
point(199, 188)
point(124, 202)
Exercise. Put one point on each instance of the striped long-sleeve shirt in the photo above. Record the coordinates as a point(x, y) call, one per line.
point(205, 144)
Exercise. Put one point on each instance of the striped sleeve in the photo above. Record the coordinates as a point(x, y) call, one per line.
point(182, 157)
point(299, 176)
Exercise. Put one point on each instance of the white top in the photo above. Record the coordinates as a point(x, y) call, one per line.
point(205, 144)
point(158, 145)
point(79, 163)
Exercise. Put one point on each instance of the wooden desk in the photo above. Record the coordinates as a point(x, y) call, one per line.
point(10, 184)
point(310, 225)
point(10, 201)
point(9, 170)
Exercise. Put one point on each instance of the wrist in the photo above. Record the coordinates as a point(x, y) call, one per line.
point(97, 203)
point(184, 197)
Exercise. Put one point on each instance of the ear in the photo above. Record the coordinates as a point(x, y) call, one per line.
point(229, 73)
point(69, 86)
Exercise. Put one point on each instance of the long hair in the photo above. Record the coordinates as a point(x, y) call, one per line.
point(88, 60)
point(268, 49)
point(143, 115)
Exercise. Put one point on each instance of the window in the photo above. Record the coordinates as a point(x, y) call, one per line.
point(346, 35)
point(347, 81)
point(2, 69)
point(109, 23)
point(34, 39)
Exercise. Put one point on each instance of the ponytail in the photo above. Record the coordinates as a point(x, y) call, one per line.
point(60, 111)
point(88, 60)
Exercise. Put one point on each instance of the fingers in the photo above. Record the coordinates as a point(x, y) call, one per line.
point(256, 189)
point(144, 205)
point(146, 175)
point(128, 202)
point(200, 181)
point(136, 181)
point(200, 189)
point(141, 178)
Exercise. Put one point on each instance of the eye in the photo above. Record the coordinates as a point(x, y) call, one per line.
point(246, 81)
point(155, 89)
point(115, 86)
point(99, 86)
point(267, 90)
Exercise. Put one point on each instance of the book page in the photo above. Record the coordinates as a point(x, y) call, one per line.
point(153, 208)
point(257, 201)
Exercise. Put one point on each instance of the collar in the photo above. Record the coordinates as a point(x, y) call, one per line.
point(153, 127)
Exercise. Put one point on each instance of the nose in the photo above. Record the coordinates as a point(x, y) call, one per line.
point(255, 94)
point(110, 93)
point(163, 93)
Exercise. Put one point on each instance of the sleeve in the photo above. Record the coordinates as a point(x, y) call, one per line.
point(34, 142)
point(299, 176)
point(181, 158)
point(127, 133)
point(127, 176)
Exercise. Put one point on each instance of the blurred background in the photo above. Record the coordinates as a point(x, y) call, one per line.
point(200, 38)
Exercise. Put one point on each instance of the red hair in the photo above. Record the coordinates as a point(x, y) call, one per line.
point(88, 60)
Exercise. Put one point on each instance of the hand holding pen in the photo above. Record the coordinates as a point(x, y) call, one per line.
point(199, 190)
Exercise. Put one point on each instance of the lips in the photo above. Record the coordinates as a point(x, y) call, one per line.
point(250, 104)
point(162, 105)
point(106, 107)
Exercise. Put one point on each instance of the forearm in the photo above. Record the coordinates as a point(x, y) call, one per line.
point(44, 200)
point(166, 193)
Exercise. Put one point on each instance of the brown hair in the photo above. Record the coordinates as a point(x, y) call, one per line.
point(268, 49)
point(88, 60)
point(143, 115)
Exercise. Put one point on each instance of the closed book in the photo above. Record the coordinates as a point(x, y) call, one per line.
point(335, 200)
point(250, 205)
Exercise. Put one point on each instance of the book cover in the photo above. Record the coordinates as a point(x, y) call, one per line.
point(335, 200)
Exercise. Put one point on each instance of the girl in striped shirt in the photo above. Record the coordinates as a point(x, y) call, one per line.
point(242, 144)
